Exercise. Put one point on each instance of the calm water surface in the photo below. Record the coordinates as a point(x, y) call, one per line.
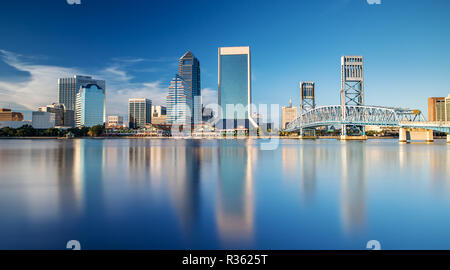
point(215, 194)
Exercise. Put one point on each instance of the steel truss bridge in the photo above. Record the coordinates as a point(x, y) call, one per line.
point(356, 115)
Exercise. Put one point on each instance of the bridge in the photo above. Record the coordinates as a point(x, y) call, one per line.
point(361, 115)
point(352, 115)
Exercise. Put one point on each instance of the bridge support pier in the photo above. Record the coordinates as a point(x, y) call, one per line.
point(403, 135)
point(353, 138)
point(415, 134)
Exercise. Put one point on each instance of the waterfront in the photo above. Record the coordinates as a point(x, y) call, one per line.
point(214, 194)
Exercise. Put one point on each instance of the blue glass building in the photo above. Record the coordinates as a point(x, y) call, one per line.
point(179, 103)
point(235, 87)
point(90, 106)
point(189, 70)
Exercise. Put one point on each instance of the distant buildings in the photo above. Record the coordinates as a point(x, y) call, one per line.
point(288, 114)
point(43, 120)
point(235, 87)
point(436, 109)
point(8, 115)
point(63, 117)
point(139, 112)
point(115, 122)
point(90, 106)
point(159, 115)
point(179, 103)
point(68, 89)
point(189, 70)
point(447, 108)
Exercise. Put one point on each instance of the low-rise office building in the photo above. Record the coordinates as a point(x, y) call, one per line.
point(43, 120)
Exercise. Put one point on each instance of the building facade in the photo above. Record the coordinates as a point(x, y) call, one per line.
point(447, 108)
point(43, 120)
point(68, 89)
point(90, 106)
point(288, 114)
point(179, 103)
point(139, 112)
point(63, 117)
point(189, 70)
point(436, 109)
point(115, 121)
point(235, 92)
point(8, 115)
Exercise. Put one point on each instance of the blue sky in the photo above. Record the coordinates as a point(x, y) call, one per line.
point(135, 44)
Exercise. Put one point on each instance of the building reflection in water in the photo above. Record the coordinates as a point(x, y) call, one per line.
point(308, 171)
point(184, 182)
point(89, 164)
point(353, 186)
point(234, 207)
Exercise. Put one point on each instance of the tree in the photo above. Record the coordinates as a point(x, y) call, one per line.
point(96, 131)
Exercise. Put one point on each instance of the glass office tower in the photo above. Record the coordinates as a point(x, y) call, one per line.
point(189, 70)
point(68, 89)
point(90, 106)
point(178, 102)
point(235, 87)
point(139, 112)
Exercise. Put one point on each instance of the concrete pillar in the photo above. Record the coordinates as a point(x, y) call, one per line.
point(429, 136)
point(402, 135)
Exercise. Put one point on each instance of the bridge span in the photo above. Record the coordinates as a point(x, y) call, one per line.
point(361, 115)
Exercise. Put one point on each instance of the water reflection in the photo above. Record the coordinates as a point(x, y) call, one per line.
point(234, 211)
point(353, 186)
point(214, 194)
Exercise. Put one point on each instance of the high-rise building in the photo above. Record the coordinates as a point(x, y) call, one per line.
point(189, 70)
point(436, 109)
point(68, 89)
point(235, 93)
point(63, 117)
point(139, 112)
point(90, 106)
point(8, 115)
point(447, 109)
point(178, 102)
point(288, 114)
point(115, 121)
point(43, 120)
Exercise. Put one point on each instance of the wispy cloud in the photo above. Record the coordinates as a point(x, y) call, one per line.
point(209, 96)
point(41, 88)
point(374, 2)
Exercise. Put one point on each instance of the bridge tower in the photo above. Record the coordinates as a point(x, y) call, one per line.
point(352, 89)
point(307, 103)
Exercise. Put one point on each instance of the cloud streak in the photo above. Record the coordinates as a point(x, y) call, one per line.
point(41, 88)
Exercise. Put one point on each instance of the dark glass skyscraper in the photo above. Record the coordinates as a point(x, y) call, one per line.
point(189, 70)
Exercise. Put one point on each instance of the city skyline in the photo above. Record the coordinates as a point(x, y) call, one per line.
point(280, 60)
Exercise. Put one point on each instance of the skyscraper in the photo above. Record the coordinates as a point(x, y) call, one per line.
point(139, 112)
point(189, 70)
point(436, 109)
point(178, 102)
point(235, 94)
point(68, 89)
point(90, 106)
